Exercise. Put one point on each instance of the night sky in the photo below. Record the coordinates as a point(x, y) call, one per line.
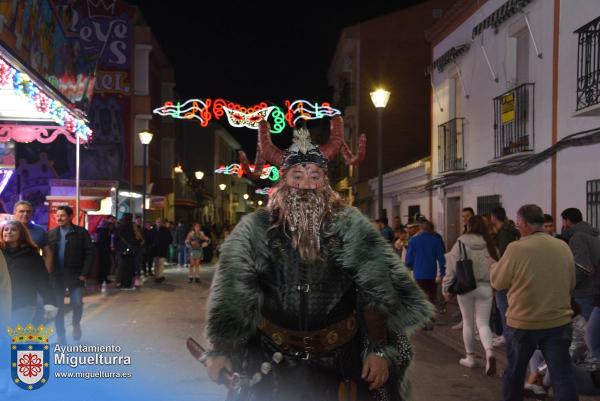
point(250, 51)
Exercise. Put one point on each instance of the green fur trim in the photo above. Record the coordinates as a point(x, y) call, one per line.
point(382, 280)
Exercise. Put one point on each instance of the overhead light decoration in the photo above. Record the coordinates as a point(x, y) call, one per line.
point(268, 172)
point(263, 191)
point(246, 196)
point(237, 115)
point(127, 194)
point(23, 85)
point(304, 110)
point(239, 119)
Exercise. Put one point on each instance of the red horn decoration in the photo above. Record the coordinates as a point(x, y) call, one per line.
point(269, 151)
point(259, 164)
point(360, 154)
point(336, 139)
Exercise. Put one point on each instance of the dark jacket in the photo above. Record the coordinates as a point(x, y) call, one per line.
point(125, 238)
point(161, 240)
point(585, 244)
point(28, 276)
point(505, 235)
point(80, 255)
point(181, 233)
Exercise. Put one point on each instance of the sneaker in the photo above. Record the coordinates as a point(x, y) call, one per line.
point(197, 280)
point(457, 326)
point(534, 391)
point(498, 341)
point(468, 362)
point(76, 332)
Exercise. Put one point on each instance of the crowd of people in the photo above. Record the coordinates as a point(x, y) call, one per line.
point(535, 290)
point(38, 269)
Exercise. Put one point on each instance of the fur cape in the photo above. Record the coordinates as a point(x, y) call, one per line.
point(234, 308)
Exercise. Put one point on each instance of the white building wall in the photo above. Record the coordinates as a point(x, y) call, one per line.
point(575, 165)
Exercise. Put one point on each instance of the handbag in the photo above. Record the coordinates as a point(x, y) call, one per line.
point(464, 278)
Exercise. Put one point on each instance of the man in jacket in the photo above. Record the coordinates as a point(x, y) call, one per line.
point(181, 232)
point(538, 272)
point(161, 240)
point(425, 255)
point(585, 244)
point(505, 233)
point(75, 256)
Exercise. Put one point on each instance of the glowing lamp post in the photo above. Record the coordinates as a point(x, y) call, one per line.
point(199, 174)
point(380, 98)
point(145, 139)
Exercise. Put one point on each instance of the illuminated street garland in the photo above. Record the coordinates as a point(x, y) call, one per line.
point(305, 110)
point(22, 85)
point(268, 172)
point(249, 117)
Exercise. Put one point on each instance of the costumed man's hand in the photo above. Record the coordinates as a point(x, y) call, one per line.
point(214, 365)
point(375, 371)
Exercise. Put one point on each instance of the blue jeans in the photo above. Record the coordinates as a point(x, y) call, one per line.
point(554, 344)
point(502, 306)
point(587, 305)
point(183, 256)
point(592, 333)
point(76, 297)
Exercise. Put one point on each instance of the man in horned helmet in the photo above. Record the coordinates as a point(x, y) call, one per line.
point(309, 301)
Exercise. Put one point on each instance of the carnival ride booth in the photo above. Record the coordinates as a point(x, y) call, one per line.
point(31, 110)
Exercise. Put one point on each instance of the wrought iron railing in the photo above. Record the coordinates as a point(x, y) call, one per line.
point(450, 145)
point(588, 65)
point(514, 121)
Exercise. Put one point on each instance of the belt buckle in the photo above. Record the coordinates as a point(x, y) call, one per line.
point(303, 287)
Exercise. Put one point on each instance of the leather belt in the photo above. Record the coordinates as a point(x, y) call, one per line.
point(310, 342)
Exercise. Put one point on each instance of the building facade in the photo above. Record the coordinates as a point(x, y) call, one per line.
point(514, 109)
point(389, 52)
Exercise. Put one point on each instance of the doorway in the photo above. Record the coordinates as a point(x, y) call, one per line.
point(453, 221)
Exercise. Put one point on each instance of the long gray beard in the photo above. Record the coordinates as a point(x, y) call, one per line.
point(305, 210)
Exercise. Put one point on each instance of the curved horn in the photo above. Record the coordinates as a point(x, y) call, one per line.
point(360, 154)
point(336, 139)
point(269, 151)
point(259, 164)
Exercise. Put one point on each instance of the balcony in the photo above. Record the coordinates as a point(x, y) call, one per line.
point(450, 146)
point(588, 66)
point(513, 121)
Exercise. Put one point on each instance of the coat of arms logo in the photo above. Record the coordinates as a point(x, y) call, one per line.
point(30, 356)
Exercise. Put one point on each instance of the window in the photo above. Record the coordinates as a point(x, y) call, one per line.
point(414, 210)
point(450, 145)
point(588, 65)
point(517, 58)
point(593, 203)
point(485, 204)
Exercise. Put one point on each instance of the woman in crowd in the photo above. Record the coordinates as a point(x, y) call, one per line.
point(126, 245)
point(196, 241)
point(28, 274)
point(475, 306)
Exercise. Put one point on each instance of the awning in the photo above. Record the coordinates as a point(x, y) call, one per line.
point(28, 112)
point(502, 13)
point(441, 62)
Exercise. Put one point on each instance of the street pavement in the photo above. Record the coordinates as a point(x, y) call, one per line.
point(151, 325)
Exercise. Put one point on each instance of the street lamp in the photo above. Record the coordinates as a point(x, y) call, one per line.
point(145, 139)
point(199, 174)
point(246, 196)
point(178, 169)
point(260, 203)
point(380, 98)
point(222, 187)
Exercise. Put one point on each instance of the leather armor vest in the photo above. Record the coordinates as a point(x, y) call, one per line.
point(301, 296)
